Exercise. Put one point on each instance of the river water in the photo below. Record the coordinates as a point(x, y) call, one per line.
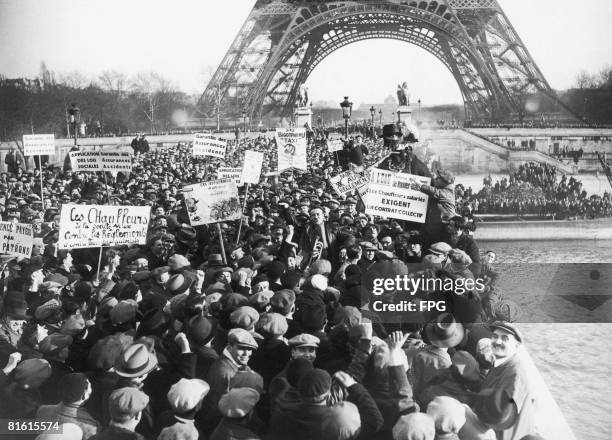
point(575, 359)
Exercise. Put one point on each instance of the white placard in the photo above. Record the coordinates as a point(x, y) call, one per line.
point(38, 144)
point(84, 226)
point(251, 170)
point(389, 195)
point(291, 144)
point(230, 173)
point(212, 202)
point(335, 145)
point(16, 239)
point(347, 182)
point(207, 145)
point(113, 161)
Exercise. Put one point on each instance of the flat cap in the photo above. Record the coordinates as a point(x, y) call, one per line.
point(273, 324)
point(238, 402)
point(244, 317)
point(304, 340)
point(125, 403)
point(186, 394)
point(242, 338)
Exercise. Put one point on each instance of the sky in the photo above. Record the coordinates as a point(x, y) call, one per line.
point(185, 39)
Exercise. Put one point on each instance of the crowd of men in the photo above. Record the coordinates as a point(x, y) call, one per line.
point(269, 330)
point(534, 189)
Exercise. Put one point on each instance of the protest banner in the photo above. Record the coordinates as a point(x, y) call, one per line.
point(38, 144)
point(116, 161)
point(291, 144)
point(16, 239)
point(212, 202)
point(230, 173)
point(85, 226)
point(335, 145)
point(389, 195)
point(251, 170)
point(207, 145)
point(347, 182)
point(113, 161)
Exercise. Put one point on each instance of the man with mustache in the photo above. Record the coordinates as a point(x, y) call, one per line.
point(510, 373)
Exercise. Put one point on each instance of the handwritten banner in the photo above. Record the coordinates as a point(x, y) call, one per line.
point(38, 144)
point(207, 145)
point(291, 144)
point(347, 182)
point(16, 239)
point(113, 161)
point(389, 195)
point(84, 226)
point(212, 202)
point(251, 170)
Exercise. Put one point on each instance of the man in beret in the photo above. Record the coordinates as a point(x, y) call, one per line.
point(125, 407)
point(510, 373)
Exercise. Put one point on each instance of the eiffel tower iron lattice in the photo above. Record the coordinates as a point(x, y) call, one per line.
point(282, 41)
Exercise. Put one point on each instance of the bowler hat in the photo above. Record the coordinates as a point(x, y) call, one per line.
point(444, 331)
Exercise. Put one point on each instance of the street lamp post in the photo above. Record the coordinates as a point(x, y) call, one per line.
point(74, 119)
point(419, 101)
point(372, 113)
point(347, 109)
point(244, 115)
point(380, 116)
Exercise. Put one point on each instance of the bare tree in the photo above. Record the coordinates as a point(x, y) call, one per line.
point(113, 81)
point(74, 79)
point(153, 87)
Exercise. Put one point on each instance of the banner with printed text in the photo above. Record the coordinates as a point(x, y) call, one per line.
point(251, 170)
point(291, 144)
point(335, 145)
point(38, 144)
point(390, 195)
point(113, 161)
point(85, 226)
point(207, 145)
point(230, 173)
point(16, 239)
point(212, 202)
point(347, 182)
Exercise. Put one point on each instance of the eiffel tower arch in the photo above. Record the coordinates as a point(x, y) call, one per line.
point(282, 41)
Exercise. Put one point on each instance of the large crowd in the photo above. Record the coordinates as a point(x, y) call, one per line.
point(534, 189)
point(263, 328)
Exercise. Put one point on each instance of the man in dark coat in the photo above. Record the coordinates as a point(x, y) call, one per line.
point(235, 358)
point(318, 230)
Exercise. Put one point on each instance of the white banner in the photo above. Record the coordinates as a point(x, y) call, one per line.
point(16, 239)
point(212, 202)
point(291, 144)
point(84, 226)
point(207, 145)
point(347, 182)
point(251, 170)
point(113, 161)
point(38, 144)
point(335, 145)
point(230, 173)
point(389, 195)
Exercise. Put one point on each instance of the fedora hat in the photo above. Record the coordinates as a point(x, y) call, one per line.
point(496, 408)
point(444, 332)
point(135, 361)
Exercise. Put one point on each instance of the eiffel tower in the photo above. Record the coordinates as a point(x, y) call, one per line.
point(282, 41)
